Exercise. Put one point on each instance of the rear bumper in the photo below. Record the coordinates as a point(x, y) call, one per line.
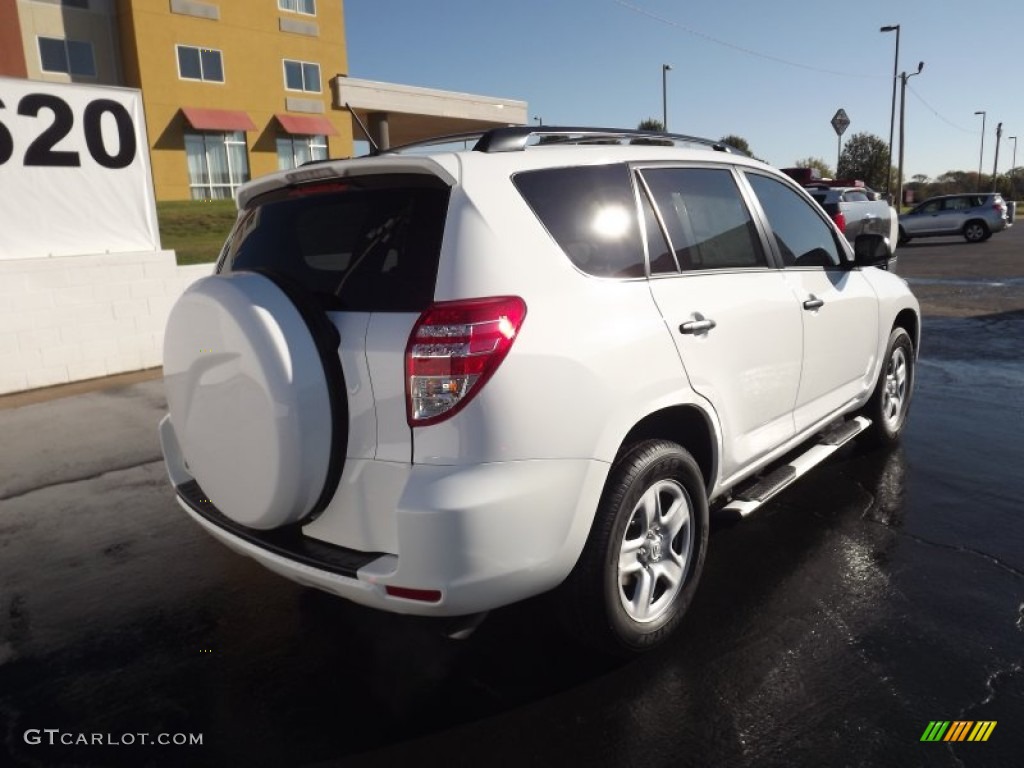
point(479, 536)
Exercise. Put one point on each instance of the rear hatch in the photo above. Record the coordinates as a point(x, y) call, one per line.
point(356, 252)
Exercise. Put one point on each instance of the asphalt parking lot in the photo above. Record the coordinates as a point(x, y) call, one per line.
point(881, 593)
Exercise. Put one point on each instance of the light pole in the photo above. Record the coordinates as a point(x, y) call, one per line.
point(982, 154)
point(995, 164)
point(539, 119)
point(892, 113)
point(664, 96)
point(903, 113)
point(1013, 167)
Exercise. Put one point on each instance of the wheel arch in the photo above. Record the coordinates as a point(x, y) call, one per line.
point(909, 321)
point(687, 425)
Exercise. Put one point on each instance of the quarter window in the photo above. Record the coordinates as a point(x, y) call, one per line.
point(707, 221)
point(72, 57)
point(298, 6)
point(301, 76)
point(217, 164)
point(200, 64)
point(590, 211)
point(802, 236)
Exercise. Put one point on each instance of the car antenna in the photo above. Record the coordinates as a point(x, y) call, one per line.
point(374, 149)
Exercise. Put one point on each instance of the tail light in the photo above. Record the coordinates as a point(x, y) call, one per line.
point(454, 348)
point(840, 219)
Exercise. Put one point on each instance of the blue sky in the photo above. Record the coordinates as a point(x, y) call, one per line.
point(771, 71)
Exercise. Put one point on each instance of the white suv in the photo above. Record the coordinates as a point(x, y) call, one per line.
point(439, 382)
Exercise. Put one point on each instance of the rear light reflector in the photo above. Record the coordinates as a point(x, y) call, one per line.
point(840, 219)
point(453, 350)
point(423, 595)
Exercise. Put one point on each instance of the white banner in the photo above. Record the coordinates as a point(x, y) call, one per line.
point(74, 171)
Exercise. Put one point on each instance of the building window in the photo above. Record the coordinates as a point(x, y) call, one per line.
point(298, 6)
point(72, 57)
point(293, 151)
point(200, 64)
point(217, 164)
point(301, 76)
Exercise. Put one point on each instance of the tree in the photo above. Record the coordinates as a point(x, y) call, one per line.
point(818, 164)
point(737, 141)
point(864, 157)
point(651, 124)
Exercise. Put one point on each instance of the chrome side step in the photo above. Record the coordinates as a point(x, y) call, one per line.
point(752, 494)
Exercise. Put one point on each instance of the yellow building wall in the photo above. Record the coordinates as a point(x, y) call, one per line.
point(248, 34)
point(95, 26)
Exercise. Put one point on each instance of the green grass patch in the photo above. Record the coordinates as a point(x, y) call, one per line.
point(195, 229)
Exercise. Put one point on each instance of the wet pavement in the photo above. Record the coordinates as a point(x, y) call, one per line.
point(882, 592)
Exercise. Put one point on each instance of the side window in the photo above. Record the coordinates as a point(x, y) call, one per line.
point(590, 211)
point(662, 260)
point(934, 207)
point(708, 223)
point(803, 237)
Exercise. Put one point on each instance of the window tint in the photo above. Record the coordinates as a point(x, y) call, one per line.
point(368, 245)
point(590, 211)
point(708, 223)
point(855, 196)
point(803, 237)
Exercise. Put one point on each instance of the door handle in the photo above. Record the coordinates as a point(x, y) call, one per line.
point(697, 326)
point(813, 303)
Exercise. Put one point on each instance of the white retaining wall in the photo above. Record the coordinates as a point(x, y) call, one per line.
point(78, 317)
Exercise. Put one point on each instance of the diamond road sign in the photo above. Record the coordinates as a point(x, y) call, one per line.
point(840, 121)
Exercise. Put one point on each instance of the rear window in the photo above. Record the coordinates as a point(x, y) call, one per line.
point(368, 244)
point(590, 211)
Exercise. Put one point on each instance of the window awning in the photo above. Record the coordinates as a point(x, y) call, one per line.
point(218, 119)
point(306, 125)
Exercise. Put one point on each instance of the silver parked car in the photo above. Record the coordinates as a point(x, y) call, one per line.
point(976, 216)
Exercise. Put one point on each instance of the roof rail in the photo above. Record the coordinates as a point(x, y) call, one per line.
point(450, 138)
point(517, 138)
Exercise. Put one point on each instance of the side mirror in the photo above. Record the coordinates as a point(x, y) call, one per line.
point(871, 250)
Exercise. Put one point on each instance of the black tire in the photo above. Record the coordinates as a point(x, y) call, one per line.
point(976, 232)
point(903, 239)
point(592, 601)
point(890, 402)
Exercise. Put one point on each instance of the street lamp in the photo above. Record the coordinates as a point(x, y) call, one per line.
point(903, 113)
point(664, 96)
point(1013, 163)
point(995, 164)
point(892, 113)
point(539, 119)
point(1013, 167)
point(982, 154)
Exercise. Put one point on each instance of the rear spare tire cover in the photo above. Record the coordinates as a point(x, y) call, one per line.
point(250, 399)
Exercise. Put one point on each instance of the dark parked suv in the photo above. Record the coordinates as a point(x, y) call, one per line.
point(976, 216)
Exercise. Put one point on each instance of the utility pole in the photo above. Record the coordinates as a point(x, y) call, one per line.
point(664, 96)
point(995, 165)
point(903, 112)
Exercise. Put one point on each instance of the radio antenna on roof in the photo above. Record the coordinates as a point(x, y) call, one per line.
point(374, 149)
